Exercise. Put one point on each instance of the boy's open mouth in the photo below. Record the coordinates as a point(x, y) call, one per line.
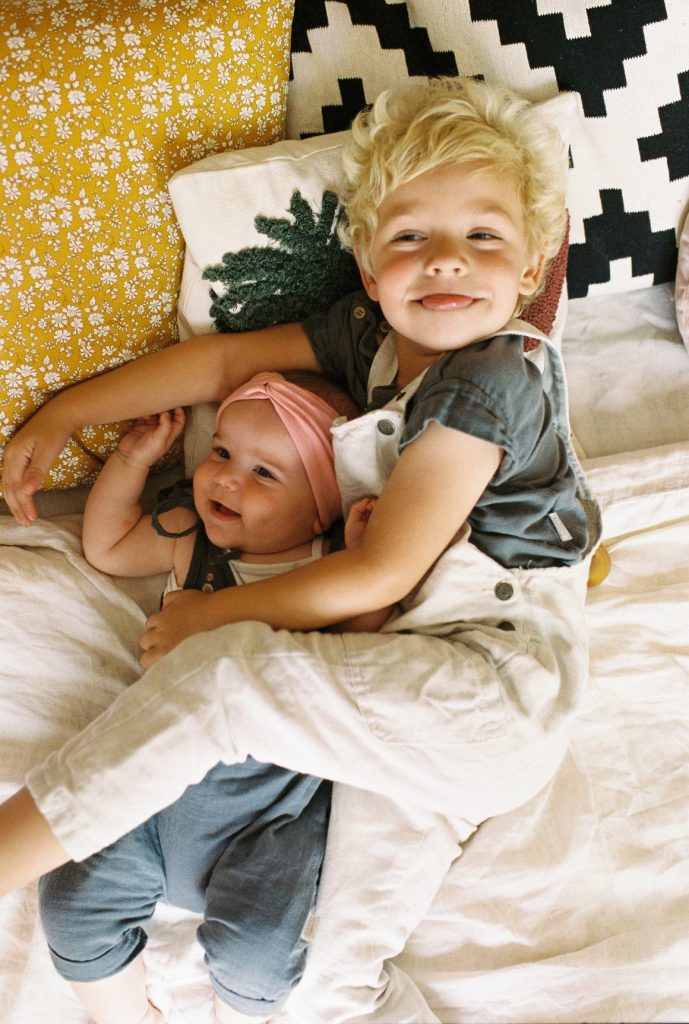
point(444, 300)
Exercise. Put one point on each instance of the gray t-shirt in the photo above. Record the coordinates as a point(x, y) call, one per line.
point(529, 516)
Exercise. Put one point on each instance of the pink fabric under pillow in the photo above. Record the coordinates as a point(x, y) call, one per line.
point(543, 310)
point(682, 285)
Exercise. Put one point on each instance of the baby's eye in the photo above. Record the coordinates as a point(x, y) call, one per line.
point(222, 453)
point(408, 236)
point(265, 473)
point(484, 236)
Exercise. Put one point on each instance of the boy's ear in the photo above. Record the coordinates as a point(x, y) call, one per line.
point(367, 278)
point(531, 275)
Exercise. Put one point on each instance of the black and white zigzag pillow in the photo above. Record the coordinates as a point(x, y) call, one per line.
point(628, 62)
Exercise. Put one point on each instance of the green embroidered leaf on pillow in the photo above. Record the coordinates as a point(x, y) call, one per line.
point(304, 271)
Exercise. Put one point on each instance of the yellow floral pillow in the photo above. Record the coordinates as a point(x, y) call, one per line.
point(101, 102)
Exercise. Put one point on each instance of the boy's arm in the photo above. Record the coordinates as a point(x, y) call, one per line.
point(28, 847)
point(435, 484)
point(117, 535)
point(202, 369)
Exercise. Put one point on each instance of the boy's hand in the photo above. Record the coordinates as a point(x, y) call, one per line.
point(184, 613)
point(35, 447)
point(151, 437)
point(357, 521)
point(28, 457)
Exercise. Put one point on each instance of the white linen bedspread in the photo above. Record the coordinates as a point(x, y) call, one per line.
point(572, 908)
point(68, 646)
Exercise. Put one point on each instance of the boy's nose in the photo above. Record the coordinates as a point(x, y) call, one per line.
point(447, 258)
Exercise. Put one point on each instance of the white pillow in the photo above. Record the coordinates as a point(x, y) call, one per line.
point(261, 247)
point(217, 201)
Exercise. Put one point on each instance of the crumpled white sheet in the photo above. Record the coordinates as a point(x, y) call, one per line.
point(572, 908)
point(68, 645)
point(627, 370)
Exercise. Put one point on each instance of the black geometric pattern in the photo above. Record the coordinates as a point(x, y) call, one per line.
point(628, 60)
point(671, 142)
point(588, 65)
point(393, 29)
point(338, 118)
point(394, 32)
point(617, 234)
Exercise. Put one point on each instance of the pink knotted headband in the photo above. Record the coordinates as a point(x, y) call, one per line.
point(308, 420)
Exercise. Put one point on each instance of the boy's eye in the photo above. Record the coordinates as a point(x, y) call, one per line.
point(265, 473)
point(484, 236)
point(408, 236)
point(222, 453)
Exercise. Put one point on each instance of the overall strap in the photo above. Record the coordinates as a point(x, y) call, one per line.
point(179, 495)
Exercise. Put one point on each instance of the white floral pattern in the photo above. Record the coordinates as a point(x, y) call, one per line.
point(102, 100)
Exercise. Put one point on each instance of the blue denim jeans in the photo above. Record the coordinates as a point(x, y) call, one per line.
point(244, 847)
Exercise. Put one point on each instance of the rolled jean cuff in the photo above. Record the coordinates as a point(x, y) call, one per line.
point(246, 1004)
point(104, 966)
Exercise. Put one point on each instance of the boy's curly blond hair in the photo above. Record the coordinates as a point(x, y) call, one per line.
point(454, 120)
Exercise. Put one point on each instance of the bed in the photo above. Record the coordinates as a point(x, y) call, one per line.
point(572, 908)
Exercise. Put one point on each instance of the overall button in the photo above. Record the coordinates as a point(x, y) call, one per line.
point(359, 312)
point(504, 591)
point(386, 427)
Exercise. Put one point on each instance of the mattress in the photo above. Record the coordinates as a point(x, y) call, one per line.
point(571, 908)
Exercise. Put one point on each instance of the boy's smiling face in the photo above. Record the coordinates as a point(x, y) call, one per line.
point(449, 258)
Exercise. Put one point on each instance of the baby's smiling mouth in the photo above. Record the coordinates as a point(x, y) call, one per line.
point(441, 301)
point(223, 511)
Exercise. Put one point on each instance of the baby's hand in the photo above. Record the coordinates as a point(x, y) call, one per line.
point(357, 520)
point(151, 437)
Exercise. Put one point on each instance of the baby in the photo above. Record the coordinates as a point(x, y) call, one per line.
point(245, 845)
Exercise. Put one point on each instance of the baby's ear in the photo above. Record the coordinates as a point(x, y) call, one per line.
point(367, 278)
point(532, 274)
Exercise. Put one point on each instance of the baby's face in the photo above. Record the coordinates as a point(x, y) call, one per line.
point(449, 258)
point(252, 492)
